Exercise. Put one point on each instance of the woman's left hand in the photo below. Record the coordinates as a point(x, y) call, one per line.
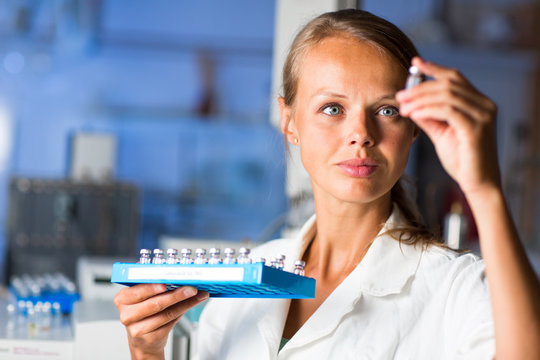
point(460, 122)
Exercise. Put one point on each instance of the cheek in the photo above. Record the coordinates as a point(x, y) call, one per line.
point(317, 147)
point(399, 142)
point(313, 145)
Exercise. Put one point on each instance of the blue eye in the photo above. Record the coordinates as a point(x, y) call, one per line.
point(332, 110)
point(388, 111)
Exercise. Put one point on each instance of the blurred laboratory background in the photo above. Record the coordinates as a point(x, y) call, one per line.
point(124, 122)
point(158, 110)
point(128, 124)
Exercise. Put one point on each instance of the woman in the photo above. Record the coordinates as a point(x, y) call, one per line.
point(385, 288)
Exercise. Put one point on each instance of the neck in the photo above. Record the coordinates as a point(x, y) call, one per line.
point(344, 233)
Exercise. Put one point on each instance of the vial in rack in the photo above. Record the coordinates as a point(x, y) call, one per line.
point(172, 256)
point(144, 256)
point(158, 257)
point(215, 257)
point(186, 256)
point(280, 261)
point(200, 258)
point(244, 258)
point(229, 256)
point(299, 267)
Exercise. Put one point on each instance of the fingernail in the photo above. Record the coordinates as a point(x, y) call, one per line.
point(202, 296)
point(189, 291)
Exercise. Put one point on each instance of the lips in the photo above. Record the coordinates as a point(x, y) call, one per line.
point(359, 168)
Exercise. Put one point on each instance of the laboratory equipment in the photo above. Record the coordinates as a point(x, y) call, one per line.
point(51, 223)
point(54, 292)
point(232, 279)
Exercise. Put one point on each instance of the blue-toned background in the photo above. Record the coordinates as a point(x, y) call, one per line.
point(184, 86)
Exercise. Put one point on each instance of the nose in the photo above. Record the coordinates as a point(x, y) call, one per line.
point(360, 133)
point(362, 140)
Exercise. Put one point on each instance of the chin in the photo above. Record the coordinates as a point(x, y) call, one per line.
point(361, 195)
point(353, 190)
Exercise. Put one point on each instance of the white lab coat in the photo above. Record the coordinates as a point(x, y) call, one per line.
point(400, 302)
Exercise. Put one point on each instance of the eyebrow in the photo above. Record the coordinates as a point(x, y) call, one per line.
point(390, 96)
point(329, 93)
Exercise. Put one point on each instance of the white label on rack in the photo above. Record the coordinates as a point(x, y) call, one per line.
point(186, 273)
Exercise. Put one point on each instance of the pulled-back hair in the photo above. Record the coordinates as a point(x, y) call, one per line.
point(387, 38)
point(357, 24)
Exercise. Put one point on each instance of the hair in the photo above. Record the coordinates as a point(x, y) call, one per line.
point(388, 39)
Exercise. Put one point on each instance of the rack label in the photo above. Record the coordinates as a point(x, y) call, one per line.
point(186, 273)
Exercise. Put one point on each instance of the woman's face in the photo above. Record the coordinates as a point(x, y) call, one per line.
point(353, 143)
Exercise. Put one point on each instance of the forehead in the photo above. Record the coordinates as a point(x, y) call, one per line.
point(347, 64)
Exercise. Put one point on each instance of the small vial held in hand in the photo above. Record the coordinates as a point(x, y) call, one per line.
point(415, 77)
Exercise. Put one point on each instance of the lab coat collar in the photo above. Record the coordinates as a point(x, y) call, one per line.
point(385, 269)
point(271, 324)
point(275, 311)
point(388, 264)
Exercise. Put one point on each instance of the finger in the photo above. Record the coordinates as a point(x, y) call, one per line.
point(155, 304)
point(432, 128)
point(439, 117)
point(439, 72)
point(465, 104)
point(172, 313)
point(450, 88)
point(142, 333)
point(139, 338)
point(138, 293)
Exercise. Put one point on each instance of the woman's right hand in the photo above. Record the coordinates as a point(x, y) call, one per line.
point(149, 313)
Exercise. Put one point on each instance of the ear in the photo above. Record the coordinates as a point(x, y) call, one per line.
point(287, 124)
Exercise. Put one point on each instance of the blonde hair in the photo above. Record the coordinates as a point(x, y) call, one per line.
point(387, 38)
point(357, 24)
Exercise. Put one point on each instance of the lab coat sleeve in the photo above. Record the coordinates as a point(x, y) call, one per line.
point(468, 317)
